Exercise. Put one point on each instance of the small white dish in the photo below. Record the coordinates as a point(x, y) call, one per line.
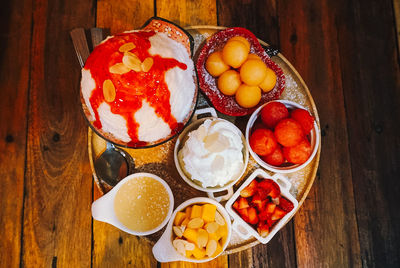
point(314, 141)
point(242, 228)
point(164, 251)
point(180, 142)
point(103, 208)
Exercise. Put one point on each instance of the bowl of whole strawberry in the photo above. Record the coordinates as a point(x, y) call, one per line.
point(282, 136)
point(261, 206)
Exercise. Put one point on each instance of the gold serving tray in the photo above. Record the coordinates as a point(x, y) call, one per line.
point(159, 160)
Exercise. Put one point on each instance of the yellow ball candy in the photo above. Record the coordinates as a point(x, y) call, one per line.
point(253, 72)
point(215, 65)
point(234, 53)
point(243, 40)
point(269, 81)
point(248, 96)
point(229, 82)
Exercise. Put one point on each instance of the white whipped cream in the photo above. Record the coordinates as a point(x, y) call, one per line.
point(213, 153)
point(151, 127)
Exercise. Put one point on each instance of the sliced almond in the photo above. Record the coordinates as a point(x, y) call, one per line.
point(188, 245)
point(219, 219)
point(108, 90)
point(195, 223)
point(119, 68)
point(132, 61)
point(212, 227)
point(126, 47)
point(211, 247)
point(177, 231)
point(146, 64)
point(179, 245)
point(202, 238)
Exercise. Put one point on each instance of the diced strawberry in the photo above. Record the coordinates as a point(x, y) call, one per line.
point(263, 229)
point(278, 214)
point(263, 193)
point(243, 203)
point(271, 222)
point(285, 204)
point(256, 199)
point(260, 204)
point(244, 214)
point(271, 187)
point(253, 218)
point(270, 208)
point(236, 205)
point(264, 215)
point(249, 190)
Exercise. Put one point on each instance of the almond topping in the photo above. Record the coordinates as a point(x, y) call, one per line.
point(212, 227)
point(202, 238)
point(119, 68)
point(179, 245)
point(126, 47)
point(108, 90)
point(147, 63)
point(188, 245)
point(195, 223)
point(211, 247)
point(219, 219)
point(177, 231)
point(132, 61)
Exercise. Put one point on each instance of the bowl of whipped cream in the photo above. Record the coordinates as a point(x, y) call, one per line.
point(211, 154)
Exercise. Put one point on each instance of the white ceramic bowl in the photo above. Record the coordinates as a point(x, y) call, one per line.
point(180, 142)
point(314, 141)
point(164, 251)
point(242, 228)
point(103, 208)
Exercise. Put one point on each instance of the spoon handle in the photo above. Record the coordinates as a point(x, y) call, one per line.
point(81, 47)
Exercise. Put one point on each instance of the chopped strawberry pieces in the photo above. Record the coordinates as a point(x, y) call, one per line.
point(249, 190)
point(285, 204)
point(243, 203)
point(261, 205)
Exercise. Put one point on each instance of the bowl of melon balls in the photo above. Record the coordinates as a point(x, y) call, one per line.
point(236, 73)
point(282, 136)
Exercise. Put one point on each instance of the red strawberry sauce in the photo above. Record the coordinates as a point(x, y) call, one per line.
point(132, 87)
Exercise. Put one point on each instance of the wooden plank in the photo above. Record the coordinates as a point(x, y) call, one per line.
point(57, 222)
point(120, 15)
point(396, 7)
point(261, 18)
point(186, 13)
point(112, 247)
point(371, 75)
point(325, 226)
point(15, 37)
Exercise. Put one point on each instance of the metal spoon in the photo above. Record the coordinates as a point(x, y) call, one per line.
point(114, 163)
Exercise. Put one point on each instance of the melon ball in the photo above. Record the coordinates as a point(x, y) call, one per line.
point(243, 40)
point(234, 53)
point(269, 81)
point(248, 96)
point(253, 57)
point(229, 82)
point(253, 72)
point(215, 65)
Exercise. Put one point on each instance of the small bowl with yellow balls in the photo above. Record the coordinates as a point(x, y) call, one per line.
point(236, 73)
point(198, 231)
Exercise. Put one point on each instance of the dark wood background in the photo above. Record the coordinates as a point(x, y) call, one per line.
point(345, 50)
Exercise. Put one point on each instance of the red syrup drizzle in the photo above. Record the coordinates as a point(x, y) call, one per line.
point(132, 87)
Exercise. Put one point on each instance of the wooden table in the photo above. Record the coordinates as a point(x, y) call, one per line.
point(346, 52)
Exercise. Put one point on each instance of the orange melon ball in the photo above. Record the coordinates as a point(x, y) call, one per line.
point(229, 82)
point(241, 39)
point(269, 81)
point(253, 72)
point(253, 57)
point(234, 53)
point(215, 65)
point(248, 96)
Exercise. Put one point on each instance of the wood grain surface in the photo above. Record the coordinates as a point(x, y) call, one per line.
point(346, 51)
